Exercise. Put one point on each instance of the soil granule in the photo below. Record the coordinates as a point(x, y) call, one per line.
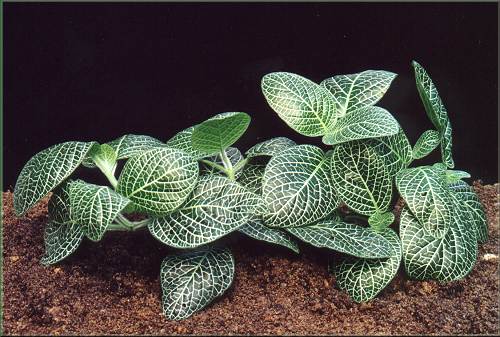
point(112, 287)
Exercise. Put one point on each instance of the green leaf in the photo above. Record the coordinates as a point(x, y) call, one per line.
point(426, 194)
point(369, 122)
point(305, 106)
point(270, 147)
point(380, 221)
point(182, 141)
point(219, 132)
point(256, 229)
point(427, 142)
point(104, 157)
point(394, 150)
point(159, 180)
point(456, 175)
point(430, 97)
point(446, 139)
point(94, 207)
point(216, 207)
point(360, 177)
point(45, 171)
point(363, 279)
point(251, 177)
point(471, 203)
point(356, 91)
point(61, 236)
point(297, 188)
point(131, 145)
point(344, 237)
point(233, 154)
point(444, 259)
point(192, 280)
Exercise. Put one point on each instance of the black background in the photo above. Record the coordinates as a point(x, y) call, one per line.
point(97, 71)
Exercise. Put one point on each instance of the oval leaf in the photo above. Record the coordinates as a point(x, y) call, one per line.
point(394, 150)
point(270, 147)
point(369, 122)
point(356, 91)
point(427, 142)
point(216, 207)
point(130, 145)
point(191, 280)
point(182, 141)
point(159, 180)
point(297, 188)
point(360, 178)
point(305, 106)
point(45, 171)
point(256, 229)
point(379, 221)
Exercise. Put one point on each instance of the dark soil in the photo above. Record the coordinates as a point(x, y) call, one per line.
point(112, 287)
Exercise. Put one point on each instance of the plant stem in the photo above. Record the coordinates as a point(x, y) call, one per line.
point(112, 179)
point(214, 165)
point(241, 164)
point(122, 223)
point(227, 165)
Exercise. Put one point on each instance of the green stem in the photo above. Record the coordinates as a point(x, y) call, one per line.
point(214, 165)
point(241, 164)
point(111, 178)
point(122, 223)
point(227, 165)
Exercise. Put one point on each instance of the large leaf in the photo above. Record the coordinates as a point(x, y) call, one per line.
point(233, 154)
point(356, 91)
point(471, 203)
point(270, 147)
point(305, 106)
point(363, 279)
point(256, 229)
point(344, 237)
point(360, 177)
point(444, 259)
point(159, 180)
point(130, 145)
point(395, 150)
point(182, 141)
point(251, 177)
point(219, 132)
point(426, 194)
point(192, 280)
point(369, 122)
point(446, 140)
point(94, 207)
point(216, 207)
point(427, 142)
point(45, 171)
point(61, 236)
point(297, 188)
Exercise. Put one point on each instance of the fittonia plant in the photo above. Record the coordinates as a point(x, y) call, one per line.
point(196, 188)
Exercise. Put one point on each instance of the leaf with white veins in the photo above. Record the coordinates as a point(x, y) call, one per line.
point(270, 147)
point(130, 145)
point(427, 142)
point(183, 141)
point(395, 150)
point(256, 229)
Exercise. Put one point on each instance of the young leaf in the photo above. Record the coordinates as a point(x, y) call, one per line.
point(233, 154)
point(219, 132)
point(297, 188)
point(444, 259)
point(360, 177)
point(426, 194)
point(94, 207)
point(182, 141)
point(104, 156)
point(216, 207)
point(369, 122)
point(471, 203)
point(61, 236)
point(270, 147)
point(344, 237)
point(256, 229)
point(45, 171)
point(130, 145)
point(363, 279)
point(356, 91)
point(427, 142)
point(394, 150)
point(159, 180)
point(192, 280)
point(380, 221)
point(453, 176)
point(305, 106)
point(446, 139)
point(251, 177)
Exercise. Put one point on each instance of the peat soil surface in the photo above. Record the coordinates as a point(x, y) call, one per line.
point(112, 287)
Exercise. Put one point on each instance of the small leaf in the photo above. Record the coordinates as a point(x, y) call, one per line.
point(456, 175)
point(251, 177)
point(380, 221)
point(426, 194)
point(363, 279)
point(297, 188)
point(305, 106)
point(427, 142)
point(130, 145)
point(94, 207)
point(256, 229)
point(369, 122)
point(45, 171)
point(104, 156)
point(233, 154)
point(270, 147)
point(360, 177)
point(344, 237)
point(159, 180)
point(219, 132)
point(192, 280)
point(182, 141)
point(356, 91)
point(394, 150)
point(216, 207)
